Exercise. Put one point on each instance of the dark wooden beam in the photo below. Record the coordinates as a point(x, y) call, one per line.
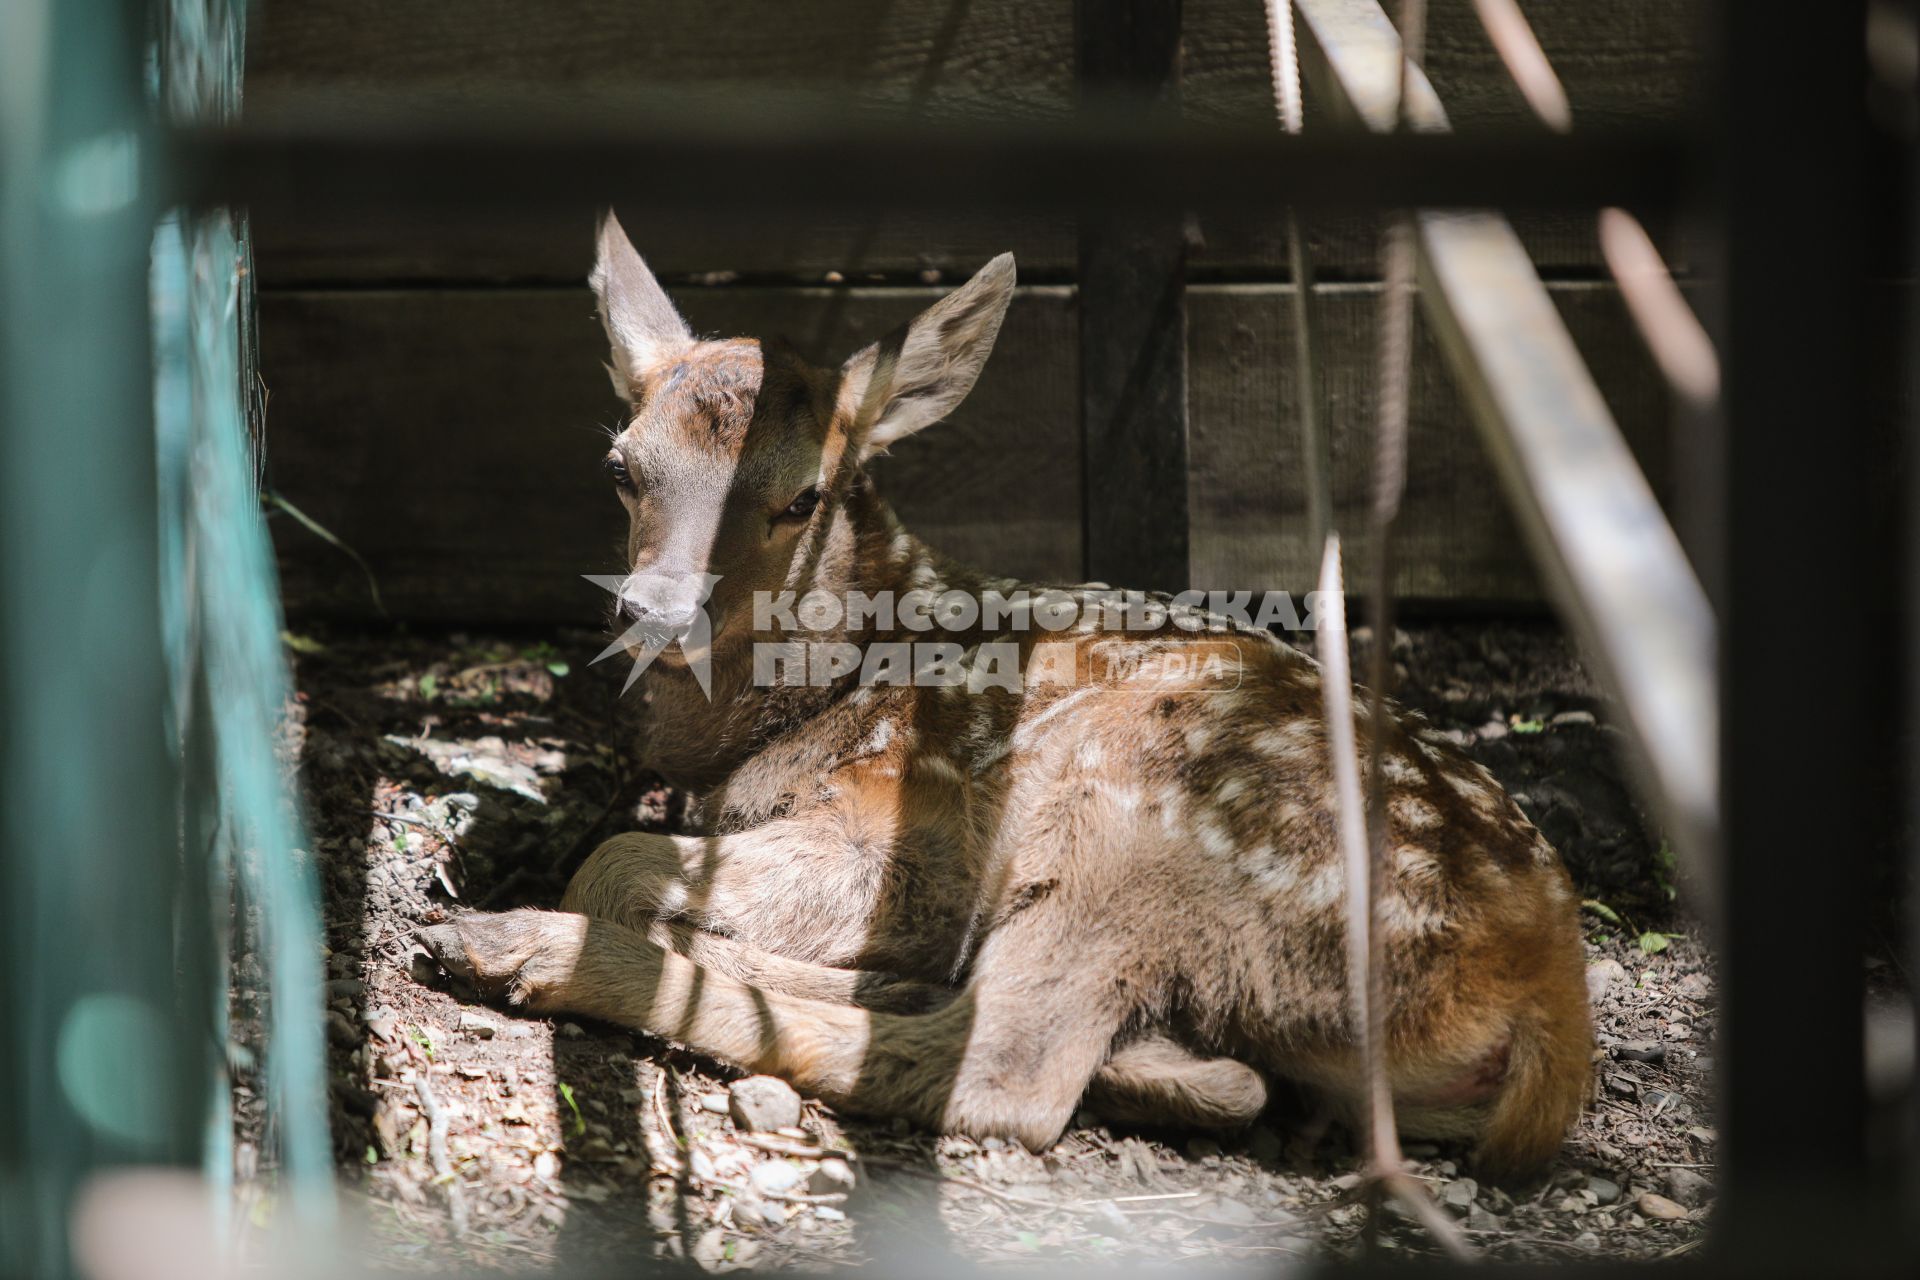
point(1133, 323)
point(1802, 729)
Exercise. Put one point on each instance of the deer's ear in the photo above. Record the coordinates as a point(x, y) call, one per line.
point(920, 372)
point(642, 326)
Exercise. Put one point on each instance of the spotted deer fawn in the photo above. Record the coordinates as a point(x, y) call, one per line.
point(974, 905)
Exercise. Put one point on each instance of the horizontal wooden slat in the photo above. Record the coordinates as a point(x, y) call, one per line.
point(1624, 62)
point(1621, 60)
point(453, 438)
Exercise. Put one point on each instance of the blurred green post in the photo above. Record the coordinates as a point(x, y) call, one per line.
point(106, 1054)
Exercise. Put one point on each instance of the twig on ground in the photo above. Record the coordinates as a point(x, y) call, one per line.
point(789, 1147)
point(664, 1146)
point(443, 1172)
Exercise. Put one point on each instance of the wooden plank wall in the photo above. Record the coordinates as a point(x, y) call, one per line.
point(435, 391)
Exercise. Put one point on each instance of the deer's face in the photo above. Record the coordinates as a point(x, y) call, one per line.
point(736, 453)
point(728, 469)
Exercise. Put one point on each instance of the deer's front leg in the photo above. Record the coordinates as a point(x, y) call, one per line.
point(816, 887)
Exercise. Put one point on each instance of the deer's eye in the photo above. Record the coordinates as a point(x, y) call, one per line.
point(618, 470)
point(802, 507)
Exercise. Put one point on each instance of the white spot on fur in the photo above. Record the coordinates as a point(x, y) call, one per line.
point(877, 740)
point(1402, 916)
point(1327, 888)
point(1213, 837)
point(1230, 789)
point(1305, 888)
point(1399, 771)
point(1286, 813)
point(1414, 813)
point(1089, 755)
point(1170, 810)
point(1197, 738)
point(1292, 741)
point(1277, 875)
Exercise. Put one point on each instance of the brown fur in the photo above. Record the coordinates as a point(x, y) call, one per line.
point(970, 909)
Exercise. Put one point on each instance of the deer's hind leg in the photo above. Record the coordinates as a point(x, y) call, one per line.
point(1156, 1081)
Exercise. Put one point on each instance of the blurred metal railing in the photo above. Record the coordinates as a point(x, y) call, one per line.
point(1611, 558)
point(144, 804)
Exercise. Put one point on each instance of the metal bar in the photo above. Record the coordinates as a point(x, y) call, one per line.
point(1316, 455)
point(1133, 324)
point(1674, 335)
point(1526, 62)
point(1116, 159)
point(1610, 558)
point(1802, 733)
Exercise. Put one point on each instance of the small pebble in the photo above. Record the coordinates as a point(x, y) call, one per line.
point(546, 1164)
point(833, 1177)
point(1479, 1219)
point(478, 1025)
point(1602, 975)
point(1605, 1190)
point(752, 1210)
point(1688, 1187)
point(702, 1166)
point(1460, 1194)
point(714, 1102)
point(571, 1031)
point(762, 1104)
point(776, 1177)
point(1657, 1206)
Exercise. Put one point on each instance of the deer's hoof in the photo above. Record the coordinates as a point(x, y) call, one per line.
point(443, 943)
point(522, 957)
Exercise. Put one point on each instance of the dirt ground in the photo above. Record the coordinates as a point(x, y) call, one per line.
point(450, 770)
